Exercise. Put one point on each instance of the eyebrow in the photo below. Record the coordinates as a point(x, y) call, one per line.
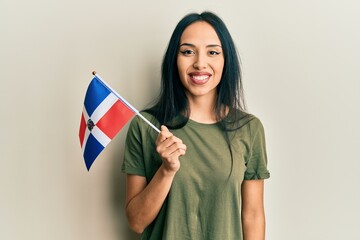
point(192, 45)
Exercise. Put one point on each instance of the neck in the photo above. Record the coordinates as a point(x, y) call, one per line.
point(202, 109)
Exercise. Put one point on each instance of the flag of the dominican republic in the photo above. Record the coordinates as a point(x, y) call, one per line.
point(103, 116)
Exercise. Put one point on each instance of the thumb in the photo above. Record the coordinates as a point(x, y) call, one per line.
point(164, 128)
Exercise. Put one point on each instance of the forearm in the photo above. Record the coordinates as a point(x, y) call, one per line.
point(145, 206)
point(254, 226)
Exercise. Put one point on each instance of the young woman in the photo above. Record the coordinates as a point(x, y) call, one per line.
point(203, 178)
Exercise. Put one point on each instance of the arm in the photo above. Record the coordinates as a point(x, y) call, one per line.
point(253, 216)
point(144, 201)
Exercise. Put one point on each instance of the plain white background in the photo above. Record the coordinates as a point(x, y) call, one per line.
point(301, 73)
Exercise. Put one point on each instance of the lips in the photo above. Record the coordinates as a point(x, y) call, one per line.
point(199, 78)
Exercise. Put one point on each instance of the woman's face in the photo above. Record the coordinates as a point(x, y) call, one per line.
point(200, 60)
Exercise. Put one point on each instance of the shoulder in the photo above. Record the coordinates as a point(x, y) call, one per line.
point(256, 133)
point(139, 126)
point(138, 121)
point(247, 126)
point(238, 119)
point(255, 123)
point(254, 126)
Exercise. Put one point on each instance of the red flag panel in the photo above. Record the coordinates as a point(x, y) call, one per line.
point(117, 116)
point(82, 129)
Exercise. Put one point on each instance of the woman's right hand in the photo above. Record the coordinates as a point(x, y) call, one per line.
point(170, 148)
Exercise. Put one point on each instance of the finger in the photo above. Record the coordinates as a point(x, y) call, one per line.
point(175, 149)
point(165, 150)
point(170, 141)
point(178, 152)
point(164, 128)
point(180, 149)
point(174, 156)
point(163, 135)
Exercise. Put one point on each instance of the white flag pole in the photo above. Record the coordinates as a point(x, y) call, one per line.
point(126, 102)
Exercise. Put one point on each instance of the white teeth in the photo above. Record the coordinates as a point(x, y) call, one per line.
point(200, 78)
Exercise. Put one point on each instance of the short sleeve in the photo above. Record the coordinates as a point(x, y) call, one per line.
point(133, 155)
point(256, 164)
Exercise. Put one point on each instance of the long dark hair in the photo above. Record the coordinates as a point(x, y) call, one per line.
point(172, 108)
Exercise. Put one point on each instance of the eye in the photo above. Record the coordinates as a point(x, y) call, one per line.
point(187, 52)
point(214, 53)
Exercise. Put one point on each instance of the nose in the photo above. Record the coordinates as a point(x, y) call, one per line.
point(200, 62)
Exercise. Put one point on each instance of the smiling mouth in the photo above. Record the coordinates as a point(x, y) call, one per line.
point(199, 79)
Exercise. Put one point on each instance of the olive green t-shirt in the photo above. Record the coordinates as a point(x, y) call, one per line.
point(204, 202)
